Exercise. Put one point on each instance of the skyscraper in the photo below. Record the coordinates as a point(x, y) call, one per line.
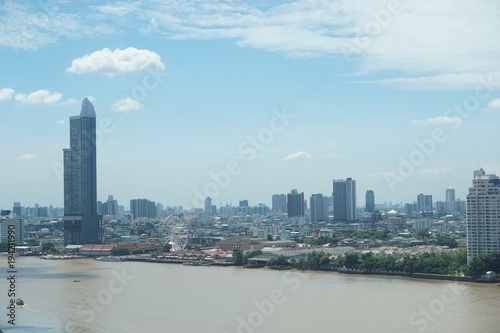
point(82, 224)
point(208, 206)
point(450, 200)
point(319, 207)
point(142, 208)
point(483, 215)
point(295, 204)
point(279, 203)
point(424, 204)
point(370, 201)
point(344, 199)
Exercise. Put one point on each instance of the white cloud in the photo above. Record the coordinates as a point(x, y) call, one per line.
point(494, 104)
point(298, 155)
point(440, 120)
point(116, 62)
point(333, 155)
point(425, 45)
point(39, 97)
point(126, 105)
point(30, 26)
point(6, 94)
point(61, 122)
point(26, 157)
point(419, 42)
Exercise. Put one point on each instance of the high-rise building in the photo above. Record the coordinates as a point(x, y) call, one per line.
point(295, 204)
point(208, 206)
point(424, 203)
point(483, 215)
point(15, 225)
point(17, 208)
point(344, 200)
point(142, 208)
point(243, 203)
point(319, 207)
point(450, 200)
point(82, 224)
point(370, 201)
point(279, 203)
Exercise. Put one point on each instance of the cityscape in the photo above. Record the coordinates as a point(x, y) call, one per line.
point(249, 166)
point(291, 222)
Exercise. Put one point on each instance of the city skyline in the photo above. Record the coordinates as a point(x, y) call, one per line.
point(266, 100)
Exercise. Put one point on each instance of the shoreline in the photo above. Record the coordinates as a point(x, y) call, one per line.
point(422, 276)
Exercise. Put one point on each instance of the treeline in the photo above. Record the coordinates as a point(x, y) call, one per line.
point(445, 263)
point(448, 263)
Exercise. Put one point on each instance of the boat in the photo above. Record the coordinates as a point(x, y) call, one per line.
point(191, 263)
point(19, 301)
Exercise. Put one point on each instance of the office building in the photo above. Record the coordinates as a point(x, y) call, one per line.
point(344, 200)
point(424, 204)
point(483, 215)
point(370, 201)
point(319, 205)
point(17, 208)
point(279, 203)
point(82, 224)
point(15, 225)
point(142, 208)
point(295, 204)
point(450, 200)
point(208, 207)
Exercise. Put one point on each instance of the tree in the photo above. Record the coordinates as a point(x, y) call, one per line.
point(238, 257)
point(280, 261)
point(446, 241)
point(422, 233)
point(48, 247)
point(119, 251)
point(250, 254)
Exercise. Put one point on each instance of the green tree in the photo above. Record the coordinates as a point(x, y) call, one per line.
point(48, 247)
point(250, 254)
point(119, 251)
point(238, 257)
point(280, 261)
point(446, 241)
point(422, 233)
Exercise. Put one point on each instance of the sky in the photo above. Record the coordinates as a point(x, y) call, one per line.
point(244, 99)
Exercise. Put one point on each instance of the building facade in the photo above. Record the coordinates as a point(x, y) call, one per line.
point(319, 207)
point(450, 200)
point(483, 215)
point(82, 224)
point(142, 208)
point(14, 226)
point(295, 204)
point(344, 200)
point(279, 203)
point(370, 201)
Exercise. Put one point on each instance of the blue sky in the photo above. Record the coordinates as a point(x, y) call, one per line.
point(263, 96)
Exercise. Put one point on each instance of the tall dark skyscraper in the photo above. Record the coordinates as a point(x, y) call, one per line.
point(82, 224)
point(370, 201)
point(344, 200)
point(295, 203)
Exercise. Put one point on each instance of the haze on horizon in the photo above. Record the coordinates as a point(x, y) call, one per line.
point(401, 96)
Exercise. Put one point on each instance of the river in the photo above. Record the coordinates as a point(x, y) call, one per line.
point(84, 295)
